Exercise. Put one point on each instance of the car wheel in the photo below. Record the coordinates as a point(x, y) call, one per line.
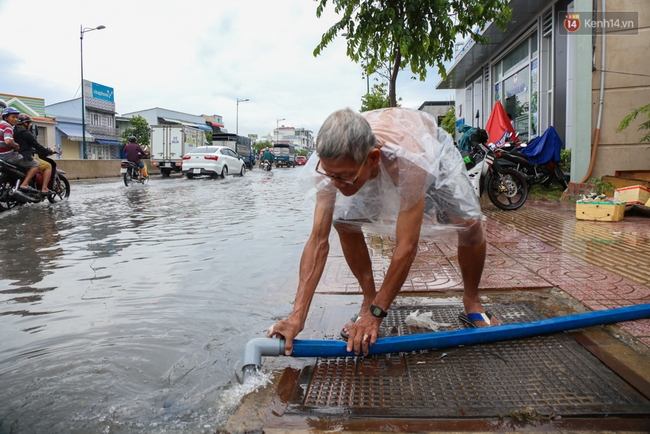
point(224, 171)
point(189, 175)
point(241, 171)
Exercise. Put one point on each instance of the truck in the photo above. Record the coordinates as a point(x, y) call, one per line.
point(243, 146)
point(170, 142)
point(285, 155)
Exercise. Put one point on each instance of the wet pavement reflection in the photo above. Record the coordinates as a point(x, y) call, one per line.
point(128, 309)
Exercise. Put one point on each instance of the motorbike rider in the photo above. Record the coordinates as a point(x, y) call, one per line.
point(133, 153)
point(9, 148)
point(268, 156)
point(28, 144)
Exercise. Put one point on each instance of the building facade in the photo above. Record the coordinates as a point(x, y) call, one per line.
point(102, 137)
point(301, 138)
point(579, 66)
point(161, 116)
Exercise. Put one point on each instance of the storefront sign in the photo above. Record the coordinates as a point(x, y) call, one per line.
point(99, 91)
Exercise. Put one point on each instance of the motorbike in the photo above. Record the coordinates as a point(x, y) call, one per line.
point(543, 174)
point(506, 188)
point(12, 176)
point(535, 160)
point(265, 165)
point(131, 173)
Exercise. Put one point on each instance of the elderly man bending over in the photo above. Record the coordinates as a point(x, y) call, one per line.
point(386, 169)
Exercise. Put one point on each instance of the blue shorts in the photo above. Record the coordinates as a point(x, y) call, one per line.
point(140, 164)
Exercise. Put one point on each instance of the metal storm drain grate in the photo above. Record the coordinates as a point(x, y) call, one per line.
point(551, 374)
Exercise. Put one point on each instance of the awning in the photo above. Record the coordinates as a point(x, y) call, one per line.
point(109, 142)
point(171, 121)
point(201, 127)
point(187, 124)
point(75, 133)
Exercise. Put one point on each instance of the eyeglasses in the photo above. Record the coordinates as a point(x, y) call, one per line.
point(337, 179)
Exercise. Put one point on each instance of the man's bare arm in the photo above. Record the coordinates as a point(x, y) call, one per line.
point(11, 143)
point(408, 227)
point(312, 264)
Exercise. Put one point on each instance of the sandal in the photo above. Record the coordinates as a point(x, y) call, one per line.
point(471, 318)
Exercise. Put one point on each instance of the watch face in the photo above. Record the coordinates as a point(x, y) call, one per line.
point(377, 311)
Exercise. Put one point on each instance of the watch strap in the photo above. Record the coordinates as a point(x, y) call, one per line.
point(377, 311)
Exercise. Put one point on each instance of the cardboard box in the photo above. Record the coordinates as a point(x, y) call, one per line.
point(600, 211)
point(633, 195)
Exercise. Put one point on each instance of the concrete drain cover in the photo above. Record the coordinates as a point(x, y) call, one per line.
point(552, 374)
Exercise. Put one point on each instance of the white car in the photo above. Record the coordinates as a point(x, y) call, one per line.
point(212, 161)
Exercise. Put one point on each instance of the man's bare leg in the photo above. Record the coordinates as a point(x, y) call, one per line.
point(357, 257)
point(28, 177)
point(47, 173)
point(471, 259)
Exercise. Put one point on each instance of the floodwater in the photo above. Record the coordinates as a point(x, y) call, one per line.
point(126, 310)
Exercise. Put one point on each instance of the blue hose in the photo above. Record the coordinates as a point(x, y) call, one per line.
point(427, 341)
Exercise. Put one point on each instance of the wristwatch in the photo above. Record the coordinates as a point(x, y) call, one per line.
point(377, 311)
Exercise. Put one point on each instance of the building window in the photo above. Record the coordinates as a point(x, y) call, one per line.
point(516, 86)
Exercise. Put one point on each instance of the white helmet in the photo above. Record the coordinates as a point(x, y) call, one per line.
point(3, 104)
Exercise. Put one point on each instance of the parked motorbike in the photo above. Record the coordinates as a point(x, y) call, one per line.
point(131, 173)
point(12, 176)
point(537, 160)
point(265, 165)
point(543, 174)
point(506, 187)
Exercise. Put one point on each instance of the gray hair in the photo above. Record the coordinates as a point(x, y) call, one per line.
point(345, 134)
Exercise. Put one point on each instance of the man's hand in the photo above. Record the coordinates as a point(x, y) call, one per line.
point(363, 334)
point(287, 329)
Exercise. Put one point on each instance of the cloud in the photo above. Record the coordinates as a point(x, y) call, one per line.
point(195, 56)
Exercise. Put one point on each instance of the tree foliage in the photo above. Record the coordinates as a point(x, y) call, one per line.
point(415, 33)
point(645, 126)
point(138, 127)
point(258, 146)
point(377, 98)
point(449, 122)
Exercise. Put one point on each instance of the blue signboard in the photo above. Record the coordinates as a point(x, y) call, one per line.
point(102, 92)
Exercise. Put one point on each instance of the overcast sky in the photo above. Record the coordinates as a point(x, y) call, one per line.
point(191, 56)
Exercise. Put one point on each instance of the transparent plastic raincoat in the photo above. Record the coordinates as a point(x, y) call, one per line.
point(418, 158)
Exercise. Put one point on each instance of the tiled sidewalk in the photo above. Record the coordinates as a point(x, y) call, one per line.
point(603, 265)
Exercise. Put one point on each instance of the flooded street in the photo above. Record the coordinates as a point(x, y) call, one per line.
point(127, 309)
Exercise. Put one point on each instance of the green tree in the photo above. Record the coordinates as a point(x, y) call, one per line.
point(449, 122)
point(208, 136)
point(627, 120)
point(258, 146)
point(415, 33)
point(138, 127)
point(377, 98)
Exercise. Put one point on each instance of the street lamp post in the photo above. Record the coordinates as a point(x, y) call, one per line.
point(237, 124)
point(277, 126)
point(83, 30)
